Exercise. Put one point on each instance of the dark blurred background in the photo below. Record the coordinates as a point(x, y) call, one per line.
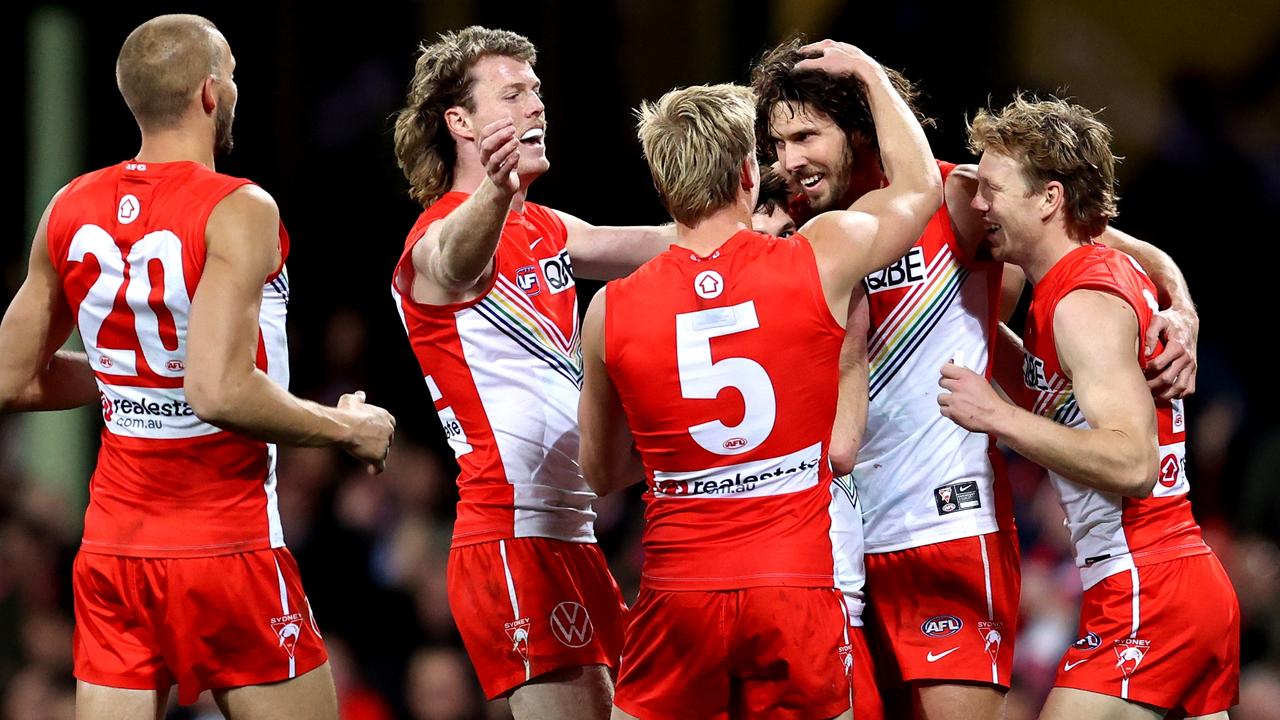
point(1191, 89)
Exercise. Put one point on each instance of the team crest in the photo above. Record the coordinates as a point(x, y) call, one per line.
point(846, 659)
point(992, 636)
point(518, 633)
point(1130, 653)
point(288, 629)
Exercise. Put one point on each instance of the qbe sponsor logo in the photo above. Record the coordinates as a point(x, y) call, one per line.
point(908, 270)
point(558, 271)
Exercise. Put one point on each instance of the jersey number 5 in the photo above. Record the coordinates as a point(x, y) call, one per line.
point(702, 378)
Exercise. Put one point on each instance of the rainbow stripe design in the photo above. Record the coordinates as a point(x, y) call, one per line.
point(510, 311)
point(914, 317)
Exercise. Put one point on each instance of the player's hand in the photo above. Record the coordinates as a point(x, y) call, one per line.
point(970, 402)
point(1172, 373)
point(371, 431)
point(500, 154)
point(837, 58)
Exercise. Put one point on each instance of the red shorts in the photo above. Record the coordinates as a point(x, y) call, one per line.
point(208, 622)
point(527, 606)
point(946, 611)
point(1166, 635)
point(866, 697)
point(775, 652)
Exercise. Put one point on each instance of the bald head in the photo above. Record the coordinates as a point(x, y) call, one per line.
point(162, 64)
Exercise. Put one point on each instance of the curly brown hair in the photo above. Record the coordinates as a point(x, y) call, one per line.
point(442, 79)
point(1056, 140)
point(844, 100)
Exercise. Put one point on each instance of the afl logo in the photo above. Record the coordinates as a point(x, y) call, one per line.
point(940, 626)
point(127, 211)
point(175, 366)
point(708, 284)
point(1170, 469)
point(734, 443)
point(1088, 642)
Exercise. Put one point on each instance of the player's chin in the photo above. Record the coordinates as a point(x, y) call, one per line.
point(532, 167)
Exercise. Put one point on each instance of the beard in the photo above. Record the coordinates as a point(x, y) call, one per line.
point(224, 118)
point(837, 183)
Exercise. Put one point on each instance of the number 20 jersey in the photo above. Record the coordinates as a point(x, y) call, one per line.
point(128, 244)
point(727, 369)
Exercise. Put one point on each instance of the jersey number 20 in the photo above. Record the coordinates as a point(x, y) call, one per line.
point(156, 251)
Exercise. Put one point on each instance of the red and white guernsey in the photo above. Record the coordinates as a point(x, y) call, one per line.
point(1110, 533)
point(727, 367)
point(923, 479)
point(128, 242)
point(505, 371)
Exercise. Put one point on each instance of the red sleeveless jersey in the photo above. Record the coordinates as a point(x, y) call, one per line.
point(1110, 533)
point(128, 244)
point(727, 367)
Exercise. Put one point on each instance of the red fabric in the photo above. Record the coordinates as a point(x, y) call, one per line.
point(942, 613)
point(768, 652)
point(567, 609)
point(203, 623)
point(1181, 652)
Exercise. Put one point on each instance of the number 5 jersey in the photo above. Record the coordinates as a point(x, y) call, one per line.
point(727, 370)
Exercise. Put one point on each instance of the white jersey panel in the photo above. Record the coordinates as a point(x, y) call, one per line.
point(532, 406)
point(847, 549)
point(921, 478)
point(272, 319)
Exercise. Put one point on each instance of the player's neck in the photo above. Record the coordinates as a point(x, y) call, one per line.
point(1044, 254)
point(713, 230)
point(175, 146)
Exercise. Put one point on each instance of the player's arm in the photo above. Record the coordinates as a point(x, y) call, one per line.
point(852, 399)
point(607, 451)
point(223, 383)
point(456, 253)
point(1006, 366)
point(1173, 372)
point(1097, 340)
point(34, 374)
point(601, 252)
point(883, 224)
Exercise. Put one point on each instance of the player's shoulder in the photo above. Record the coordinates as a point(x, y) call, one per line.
point(247, 201)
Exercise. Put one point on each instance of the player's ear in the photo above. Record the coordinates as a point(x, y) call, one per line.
point(1054, 196)
point(458, 120)
point(749, 172)
point(209, 95)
